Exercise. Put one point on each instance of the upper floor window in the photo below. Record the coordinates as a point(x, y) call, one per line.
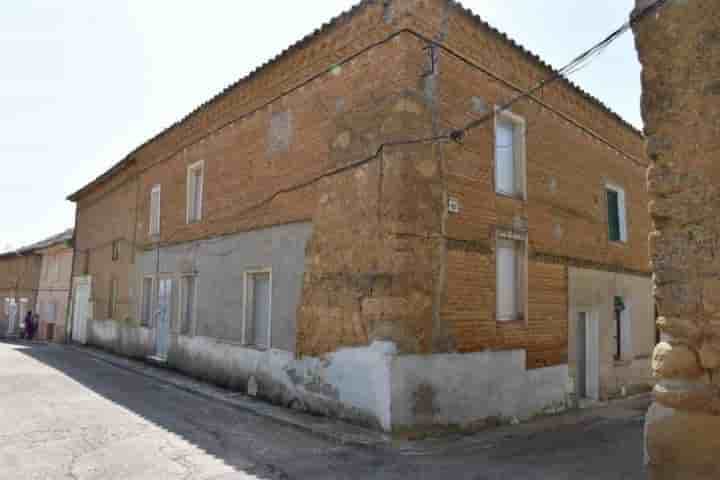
point(510, 155)
point(617, 220)
point(195, 174)
point(155, 210)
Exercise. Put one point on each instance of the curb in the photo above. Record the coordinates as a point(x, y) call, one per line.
point(319, 426)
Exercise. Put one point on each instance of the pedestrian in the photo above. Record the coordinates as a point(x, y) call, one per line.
point(36, 325)
point(28, 325)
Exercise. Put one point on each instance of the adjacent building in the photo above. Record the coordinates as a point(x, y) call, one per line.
point(54, 286)
point(328, 235)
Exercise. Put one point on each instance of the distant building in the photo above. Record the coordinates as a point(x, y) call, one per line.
point(287, 240)
point(36, 278)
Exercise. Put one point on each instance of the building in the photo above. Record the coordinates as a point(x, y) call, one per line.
point(36, 278)
point(327, 235)
point(54, 285)
point(19, 277)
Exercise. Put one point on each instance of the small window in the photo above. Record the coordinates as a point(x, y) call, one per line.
point(195, 176)
point(147, 301)
point(116, 250)
point(187, 305)
point(155, 210)
point(258, 287)
point(617, 220)
point(112, 298)
point(510, 155)
point(511, 277)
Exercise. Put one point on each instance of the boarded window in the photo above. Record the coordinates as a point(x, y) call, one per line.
point(617, 227)
point(257, 309)
point(187, 305)
point(147, 301)
point(510, 278)
point(51, 312)
point(195, 192)
point(155, 210)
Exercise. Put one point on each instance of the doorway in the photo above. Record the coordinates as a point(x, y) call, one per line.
point(162, 318)
point(81, 311)
point(588, 355)
point(12, 310)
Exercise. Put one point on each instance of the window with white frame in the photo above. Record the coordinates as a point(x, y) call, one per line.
point(616, 213)
point(50, 312)
point(187, 304)
point(258, 304)
point(510, 162)
point(511, 271)
point(195, 174)
point(155, 210)
point(147, 301)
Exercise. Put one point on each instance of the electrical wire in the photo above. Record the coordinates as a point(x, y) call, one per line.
point(575, 65)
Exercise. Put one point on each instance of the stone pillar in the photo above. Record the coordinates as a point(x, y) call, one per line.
point(679, 48)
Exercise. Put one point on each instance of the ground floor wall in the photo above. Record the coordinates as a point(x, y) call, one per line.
point(13, 307)
point(51, 306)
point(604, 294)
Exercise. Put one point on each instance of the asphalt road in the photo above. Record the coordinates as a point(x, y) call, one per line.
point(64, 415)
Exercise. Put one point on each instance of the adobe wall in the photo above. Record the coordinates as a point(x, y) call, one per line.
point(678, 47)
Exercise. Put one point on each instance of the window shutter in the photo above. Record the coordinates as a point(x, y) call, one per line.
point(613, 216)
point(505, 169)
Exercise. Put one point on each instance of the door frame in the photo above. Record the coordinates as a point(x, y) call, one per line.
point(79, 330)
point(158, 279)
point(587, 344)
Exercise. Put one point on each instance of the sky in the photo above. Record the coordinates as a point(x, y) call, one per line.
point(82, 82)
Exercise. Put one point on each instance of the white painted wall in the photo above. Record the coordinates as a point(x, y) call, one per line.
point(465, 388)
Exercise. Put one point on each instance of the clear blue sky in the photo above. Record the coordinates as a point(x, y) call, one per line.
point(84, 82)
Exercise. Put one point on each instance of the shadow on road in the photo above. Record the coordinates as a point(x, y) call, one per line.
point(246, 442)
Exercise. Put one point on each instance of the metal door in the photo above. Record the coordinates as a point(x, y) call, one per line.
point(162, 318)
point(80, 312)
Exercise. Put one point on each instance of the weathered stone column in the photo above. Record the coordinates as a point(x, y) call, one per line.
point(679, 48)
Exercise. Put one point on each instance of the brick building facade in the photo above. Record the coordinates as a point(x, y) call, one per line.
point(313, 236)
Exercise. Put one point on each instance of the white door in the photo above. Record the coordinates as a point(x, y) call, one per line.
point(588, 355)
point(81, 307)
point(162, 318)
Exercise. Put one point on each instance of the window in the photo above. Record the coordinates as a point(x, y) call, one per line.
point(195, 192)
point(623, 329)
point(510, 155)
point(511, 276)
point(155, 210)
point(116, 250)
point(147, 301)
point(50, 312)
point(258, 288)
point(112, 298)
point(617, 223)
point(187, 305)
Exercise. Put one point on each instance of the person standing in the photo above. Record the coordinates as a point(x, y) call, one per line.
point(28, 325)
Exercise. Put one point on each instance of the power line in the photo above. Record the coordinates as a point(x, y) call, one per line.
point(575, 65)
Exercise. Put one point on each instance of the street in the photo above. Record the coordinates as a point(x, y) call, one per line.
point(65, 415)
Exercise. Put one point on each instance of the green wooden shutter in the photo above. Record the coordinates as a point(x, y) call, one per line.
point(613, 215)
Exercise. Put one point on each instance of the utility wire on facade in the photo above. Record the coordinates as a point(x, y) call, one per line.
point(457, 135)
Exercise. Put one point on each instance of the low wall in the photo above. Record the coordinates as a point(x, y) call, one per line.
point(371, 386)
point(461, 389)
